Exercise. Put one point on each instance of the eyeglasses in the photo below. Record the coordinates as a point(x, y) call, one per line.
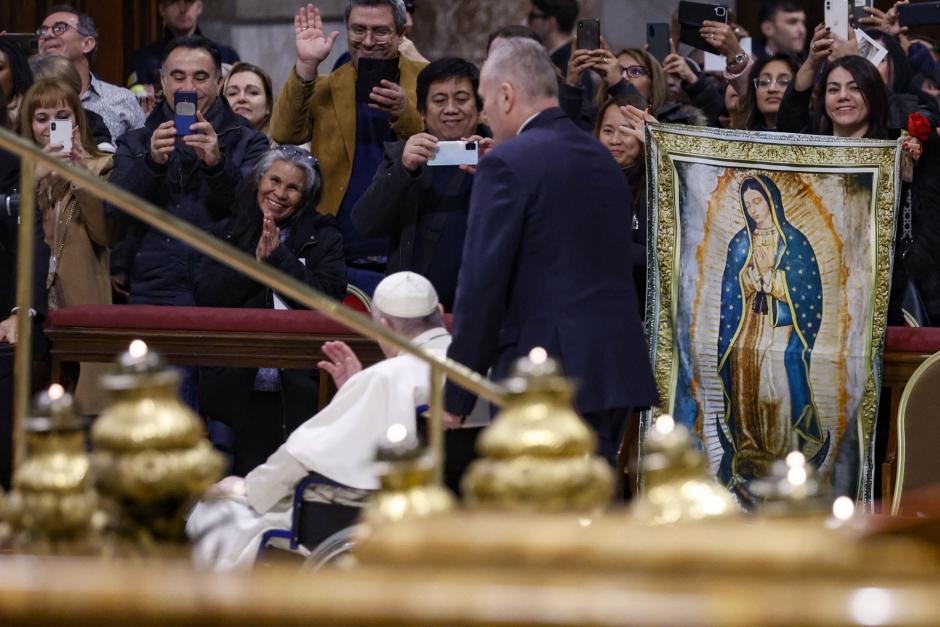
point(765, 83)
point(296, 152)
point(57, 29)
point(381, 34)
point(634, 71)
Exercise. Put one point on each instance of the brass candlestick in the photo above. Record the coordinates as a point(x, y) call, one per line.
point(151, 456)
point(678, 485)
point(53, 503)
point(407, 478)
point(538, 455)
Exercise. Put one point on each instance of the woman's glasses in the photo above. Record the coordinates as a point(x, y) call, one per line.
point(765, 83)
point(634, 71)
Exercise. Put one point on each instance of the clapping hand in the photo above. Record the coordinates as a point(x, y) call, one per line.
point(312, 46)
point(342, 362)
point(270, 239)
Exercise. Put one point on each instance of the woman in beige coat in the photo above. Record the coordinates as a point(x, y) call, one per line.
point(76, 228)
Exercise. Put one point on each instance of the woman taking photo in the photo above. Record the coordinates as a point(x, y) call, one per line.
point(277, 222)
point(76, 228)
point(249, 93)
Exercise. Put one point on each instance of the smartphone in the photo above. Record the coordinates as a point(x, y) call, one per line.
point(456, 153)
point(371, 73)
point(184, 112)
point(858, 11)
point(27, 43)
point(691, 17)
point(60, 134)
point(837, 17)
point(920, 14)
point(657, 40)
point(589, 34)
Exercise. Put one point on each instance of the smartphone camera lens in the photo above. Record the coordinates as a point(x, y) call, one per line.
point(470, 146)
point(721, 11)
point(52, 126)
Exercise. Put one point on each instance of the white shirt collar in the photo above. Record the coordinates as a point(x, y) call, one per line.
point(526, 123)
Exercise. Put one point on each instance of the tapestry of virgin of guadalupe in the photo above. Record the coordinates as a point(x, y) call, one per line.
point(768, 298)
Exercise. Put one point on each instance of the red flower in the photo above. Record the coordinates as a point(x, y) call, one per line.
point(918, 126)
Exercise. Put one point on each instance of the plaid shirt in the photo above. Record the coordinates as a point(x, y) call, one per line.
point(118, 106)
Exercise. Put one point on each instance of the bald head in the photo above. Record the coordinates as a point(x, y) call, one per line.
point(518, 80)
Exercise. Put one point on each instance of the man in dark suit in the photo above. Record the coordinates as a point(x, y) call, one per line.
point(547, 255)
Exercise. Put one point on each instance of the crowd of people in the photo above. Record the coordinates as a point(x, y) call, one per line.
point(543, 243)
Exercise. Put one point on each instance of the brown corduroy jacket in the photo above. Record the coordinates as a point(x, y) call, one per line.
point(323, 112)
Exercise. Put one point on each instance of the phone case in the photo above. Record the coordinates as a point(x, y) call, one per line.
point(589, 34)
point(456, 153)
point(60, 133)
point(920, 14)
point(371, 73)
point(837, 17)
point(691, 17)
point(184, 111)
point(657, 38)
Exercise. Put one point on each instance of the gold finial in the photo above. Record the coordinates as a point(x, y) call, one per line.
point(538, 454)
point(150, 451)
point(677, 482)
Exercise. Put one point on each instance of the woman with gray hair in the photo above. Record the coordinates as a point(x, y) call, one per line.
point(276, 220)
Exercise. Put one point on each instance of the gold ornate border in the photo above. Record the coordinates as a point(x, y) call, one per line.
point(665, 142)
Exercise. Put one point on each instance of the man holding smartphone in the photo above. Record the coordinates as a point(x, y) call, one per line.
point(193, 175)
point(347, 133)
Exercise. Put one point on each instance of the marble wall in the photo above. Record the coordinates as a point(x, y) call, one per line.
point(262, 32)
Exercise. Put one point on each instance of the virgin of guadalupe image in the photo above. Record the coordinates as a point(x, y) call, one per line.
point(771, 312)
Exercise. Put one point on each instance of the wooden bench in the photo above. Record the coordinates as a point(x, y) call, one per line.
point(201, 336)
point(207, 336)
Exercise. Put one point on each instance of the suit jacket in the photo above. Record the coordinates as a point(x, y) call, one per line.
point(323, 112)
point(547, 262)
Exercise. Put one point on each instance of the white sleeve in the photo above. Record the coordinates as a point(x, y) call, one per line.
point(273, 480)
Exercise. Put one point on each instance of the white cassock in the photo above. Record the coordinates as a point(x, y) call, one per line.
point(339, 443)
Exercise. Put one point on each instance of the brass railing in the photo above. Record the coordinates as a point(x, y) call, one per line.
point(220, 251)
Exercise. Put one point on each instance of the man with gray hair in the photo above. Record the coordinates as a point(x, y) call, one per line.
point(348, 115)
point(72, 34)
point(546, 261)
point(339, 442)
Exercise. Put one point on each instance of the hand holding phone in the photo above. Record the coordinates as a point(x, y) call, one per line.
point(692, 17)
point(589, 34)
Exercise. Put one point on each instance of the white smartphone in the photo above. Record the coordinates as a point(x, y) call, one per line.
point(60, 134)
point(456, 153)
point(837, 17)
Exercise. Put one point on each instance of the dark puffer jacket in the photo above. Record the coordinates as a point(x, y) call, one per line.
point(312, 253)
point(162, 270)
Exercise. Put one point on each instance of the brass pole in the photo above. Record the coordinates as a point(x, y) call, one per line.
point(25, 253)
point(436, 428)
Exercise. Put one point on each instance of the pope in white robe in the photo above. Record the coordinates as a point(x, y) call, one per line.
point(339, 442)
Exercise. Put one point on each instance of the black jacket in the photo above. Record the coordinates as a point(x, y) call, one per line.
point(312, 253)
point(391, 208)
point(160, 268)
